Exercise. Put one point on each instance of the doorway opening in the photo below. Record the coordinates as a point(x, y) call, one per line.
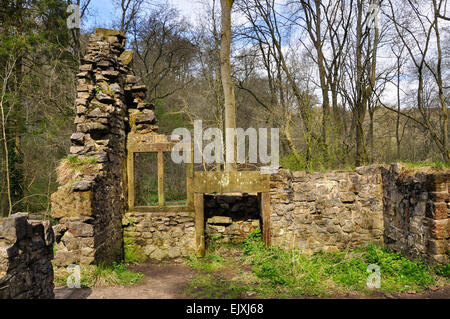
point(230, 218)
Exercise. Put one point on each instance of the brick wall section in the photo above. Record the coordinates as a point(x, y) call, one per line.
point(416, 206)
point(26, 251)
point(329, 211)
point(167, 235)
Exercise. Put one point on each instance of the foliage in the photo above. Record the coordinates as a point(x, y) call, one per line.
point(438, 165)
point(274, 272)
point(444, 271)
point(71, 167)
point(348, 269)
point(102, 275)
point(134, 254)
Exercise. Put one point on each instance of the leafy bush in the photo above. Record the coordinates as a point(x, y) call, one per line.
point(444, 271)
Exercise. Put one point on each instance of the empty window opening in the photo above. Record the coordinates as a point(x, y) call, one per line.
point(158, 181)
point(174, 182)
point(146, 179)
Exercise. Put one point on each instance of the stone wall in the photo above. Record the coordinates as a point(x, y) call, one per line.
point(416, 213)
point(90, 203)
point(406, 210)
point(26, 251)
point(230, 218)
point(328, 211)
point(165, 235)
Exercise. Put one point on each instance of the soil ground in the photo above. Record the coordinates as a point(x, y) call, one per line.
point(168, 281)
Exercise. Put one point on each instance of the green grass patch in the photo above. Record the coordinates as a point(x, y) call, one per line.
point(274, 272)
point(437, 165)
point(443, 271)
point(101, 276)
point(78, 162)
point(133, 253)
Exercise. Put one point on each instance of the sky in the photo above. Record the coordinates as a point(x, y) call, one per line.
point(103, 11)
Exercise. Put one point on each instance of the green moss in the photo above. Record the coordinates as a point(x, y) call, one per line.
point(134, 254)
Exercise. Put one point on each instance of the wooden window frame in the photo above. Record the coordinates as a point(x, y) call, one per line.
point(160, 149)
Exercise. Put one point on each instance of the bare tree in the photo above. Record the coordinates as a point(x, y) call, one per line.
point(128, 12)
point(227, 82)
point(163, 51)
point(418, 40)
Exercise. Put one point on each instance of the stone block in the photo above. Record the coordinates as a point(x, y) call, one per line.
point(219, 220)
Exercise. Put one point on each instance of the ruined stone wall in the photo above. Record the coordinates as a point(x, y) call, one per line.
point(165, 235)
point(406, 210)
point(230, 218)
point(416, 213)
point(90, 203)
point(26, 251)
point(329, 211)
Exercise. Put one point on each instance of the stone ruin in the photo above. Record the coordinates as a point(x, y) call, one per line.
point(95, 211)
point(334, 210)
point(26, 251)
point(89, 205)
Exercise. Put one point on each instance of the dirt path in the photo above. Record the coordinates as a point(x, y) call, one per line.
point(167, 281)
point(160, 282)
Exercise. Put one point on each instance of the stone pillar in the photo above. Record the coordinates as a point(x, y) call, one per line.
point(26, 251)
point(416, 212)
point(90, 203)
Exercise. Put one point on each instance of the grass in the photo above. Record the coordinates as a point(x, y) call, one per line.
point(72, 167)
point(101, 276)
point(254, 270)
point(134, 254)
point(437, 165)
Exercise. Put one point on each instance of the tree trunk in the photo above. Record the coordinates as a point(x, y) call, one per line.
point(227, 84)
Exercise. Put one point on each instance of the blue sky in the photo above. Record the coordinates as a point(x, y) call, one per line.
point(102, 11)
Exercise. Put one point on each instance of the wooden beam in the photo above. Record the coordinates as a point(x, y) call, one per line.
point(161, 199)
point(130, 177)
point(162, 209)
point(265, 213)
point(140, 147)
point(199, 225)
point(190, 180)
point(229, 182)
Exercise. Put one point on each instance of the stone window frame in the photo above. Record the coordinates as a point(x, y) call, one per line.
point(159, 148)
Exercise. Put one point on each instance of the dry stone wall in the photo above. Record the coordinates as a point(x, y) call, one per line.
point(416, 213)
point(26, 251)
point(406, 210)
point(328, 211)
point(161, 236)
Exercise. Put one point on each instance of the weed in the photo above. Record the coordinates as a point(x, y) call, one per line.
point(101, 275)
point(437, 165)
point(134, 254)
point(72, 167)
point(444, 271)
point(274, 272)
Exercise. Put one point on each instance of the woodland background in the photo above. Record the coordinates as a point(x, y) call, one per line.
point(342, 92)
